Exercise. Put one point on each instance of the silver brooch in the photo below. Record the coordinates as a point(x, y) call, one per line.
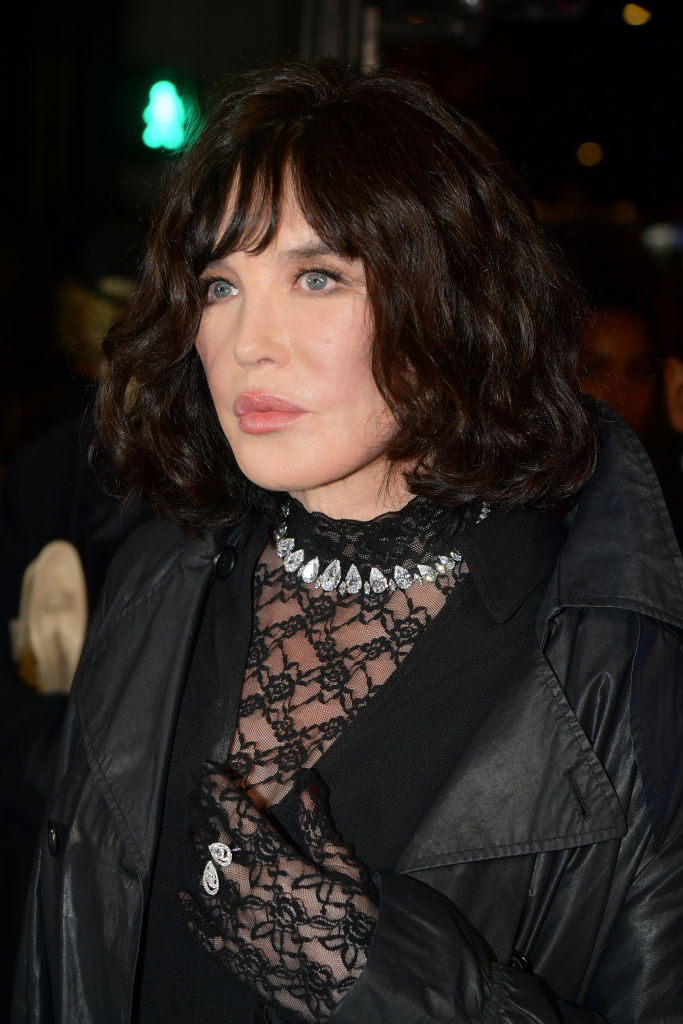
point(222, 855)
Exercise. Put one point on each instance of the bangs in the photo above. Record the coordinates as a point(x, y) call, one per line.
point(266, 171)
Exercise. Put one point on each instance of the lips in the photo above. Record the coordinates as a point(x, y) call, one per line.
point(258, 401)
point(260, 413)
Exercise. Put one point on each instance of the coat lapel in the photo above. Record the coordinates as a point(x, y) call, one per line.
point(529, 781)
point(144, 647)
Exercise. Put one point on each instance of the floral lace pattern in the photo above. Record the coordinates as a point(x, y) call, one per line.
point(316, 659)
point(295, 924)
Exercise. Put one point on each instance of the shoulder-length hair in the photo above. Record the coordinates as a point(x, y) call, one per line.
point(476, 323)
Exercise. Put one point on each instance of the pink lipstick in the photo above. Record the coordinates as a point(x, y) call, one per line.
point(260, 413)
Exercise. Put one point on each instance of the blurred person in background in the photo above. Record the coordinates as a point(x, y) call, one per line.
point(618, 363)
point(383, 724)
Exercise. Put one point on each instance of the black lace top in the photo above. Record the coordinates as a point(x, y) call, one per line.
point(317, 658)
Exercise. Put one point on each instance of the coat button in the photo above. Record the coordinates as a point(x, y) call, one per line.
point(52, 838)
point(224, 562)
point(520, 961)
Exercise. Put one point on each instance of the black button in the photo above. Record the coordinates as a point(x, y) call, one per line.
point(224, 562)
point(52, 838)
point(520, 961)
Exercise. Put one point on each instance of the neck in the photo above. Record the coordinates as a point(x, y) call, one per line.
point(345, 499)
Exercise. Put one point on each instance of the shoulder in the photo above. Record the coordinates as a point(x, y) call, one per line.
point(157, 550)
point(622, 674)
point(150, 551)
point(620, 550)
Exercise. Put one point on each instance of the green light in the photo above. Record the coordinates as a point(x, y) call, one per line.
point(164, 116)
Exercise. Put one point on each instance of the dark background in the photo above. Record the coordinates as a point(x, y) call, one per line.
point(542, 76)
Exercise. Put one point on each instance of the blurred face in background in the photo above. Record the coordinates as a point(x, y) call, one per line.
point(617, 357)
point(673, 392)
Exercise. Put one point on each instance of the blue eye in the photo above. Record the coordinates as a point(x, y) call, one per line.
point(219, 289)
point(316, 281)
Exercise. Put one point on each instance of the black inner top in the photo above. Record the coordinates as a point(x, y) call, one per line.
point(392, 755)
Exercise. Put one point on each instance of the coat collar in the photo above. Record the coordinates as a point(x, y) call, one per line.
point(615, 547)
point(508, 555)
point(529, 781)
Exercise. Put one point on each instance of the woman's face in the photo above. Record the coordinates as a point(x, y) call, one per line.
point(285, 342)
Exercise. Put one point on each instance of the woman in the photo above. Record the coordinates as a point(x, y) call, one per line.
point(379, 738)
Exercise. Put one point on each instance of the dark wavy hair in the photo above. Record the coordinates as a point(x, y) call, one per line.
point(476, 322)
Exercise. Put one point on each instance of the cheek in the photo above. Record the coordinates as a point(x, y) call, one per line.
point(214, 364)
point(342, 354)
point(356, 410)
point(203, 350)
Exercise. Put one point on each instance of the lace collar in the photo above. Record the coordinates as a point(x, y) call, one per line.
point(410, 546)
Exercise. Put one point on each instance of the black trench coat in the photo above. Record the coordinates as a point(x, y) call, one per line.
point(546, 882)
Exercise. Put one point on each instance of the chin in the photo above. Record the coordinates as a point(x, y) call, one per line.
point(312, 469)
point(274, 479)
point(290, 482)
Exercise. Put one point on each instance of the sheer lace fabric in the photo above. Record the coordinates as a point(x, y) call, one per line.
point(294, 923)
point(293, 917)
point(317, 658)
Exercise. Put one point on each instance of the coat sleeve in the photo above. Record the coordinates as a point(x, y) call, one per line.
point(641, 968)
point(33, 988)
point(639, 976)
point(428, 965)
point(34, 982)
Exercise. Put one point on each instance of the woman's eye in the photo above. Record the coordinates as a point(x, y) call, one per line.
point(219, 290)
point(315, 280)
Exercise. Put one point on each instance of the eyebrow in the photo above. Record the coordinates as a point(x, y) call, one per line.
point(307, 252)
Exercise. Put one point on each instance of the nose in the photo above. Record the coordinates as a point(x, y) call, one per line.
point(260, 333)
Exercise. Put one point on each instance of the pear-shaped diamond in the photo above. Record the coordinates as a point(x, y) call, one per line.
point(378, 581)
point(329, 579)
point(427, 573)
point(309, 571)
point(353, 581)
point(210, 878)
point(447, 562)
point(293, 561)
point(456, 556)
point(221, 853)
point(284, 546)
point(403, 577)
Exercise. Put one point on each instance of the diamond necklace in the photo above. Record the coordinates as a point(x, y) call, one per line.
point(295, 561)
